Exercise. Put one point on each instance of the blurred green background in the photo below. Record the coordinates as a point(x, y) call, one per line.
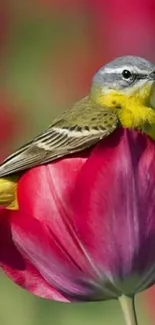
point(19, 307)
point(49, 50)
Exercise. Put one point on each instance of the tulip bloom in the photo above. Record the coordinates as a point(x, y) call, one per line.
point(84, 230)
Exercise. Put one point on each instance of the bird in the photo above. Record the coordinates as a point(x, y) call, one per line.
point(120, 96)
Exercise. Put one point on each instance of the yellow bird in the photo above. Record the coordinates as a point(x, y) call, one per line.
point(120, 95)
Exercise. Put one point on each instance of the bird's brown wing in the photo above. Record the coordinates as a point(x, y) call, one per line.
point(71, 133)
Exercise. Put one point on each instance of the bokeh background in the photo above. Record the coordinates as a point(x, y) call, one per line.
point(49, 50)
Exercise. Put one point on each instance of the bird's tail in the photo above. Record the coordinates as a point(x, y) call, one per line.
point(8, 192)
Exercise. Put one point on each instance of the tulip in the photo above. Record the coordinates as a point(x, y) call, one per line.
point(84, 230)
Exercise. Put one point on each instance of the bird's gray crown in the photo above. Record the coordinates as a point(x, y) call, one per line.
point(110, 75)
point(130, 61)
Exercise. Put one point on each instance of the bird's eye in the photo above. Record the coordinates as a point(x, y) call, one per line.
point(126, 74)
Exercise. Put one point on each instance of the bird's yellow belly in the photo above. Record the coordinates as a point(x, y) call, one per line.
point(8, 192)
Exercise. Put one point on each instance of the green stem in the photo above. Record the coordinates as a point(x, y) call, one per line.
point(128, 308)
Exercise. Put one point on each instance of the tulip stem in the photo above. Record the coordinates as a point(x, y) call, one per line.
point(128, 308)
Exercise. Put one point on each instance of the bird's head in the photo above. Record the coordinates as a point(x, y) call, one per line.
point(127, 85)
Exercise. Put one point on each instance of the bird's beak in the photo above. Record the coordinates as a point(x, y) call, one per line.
point(152, 76)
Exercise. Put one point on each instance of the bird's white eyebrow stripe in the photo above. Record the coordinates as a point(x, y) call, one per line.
point(119, 70)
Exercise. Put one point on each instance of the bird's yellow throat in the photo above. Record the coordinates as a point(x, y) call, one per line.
point(132, 108)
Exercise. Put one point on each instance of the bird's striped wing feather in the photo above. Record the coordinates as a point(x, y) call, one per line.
point(57, 141)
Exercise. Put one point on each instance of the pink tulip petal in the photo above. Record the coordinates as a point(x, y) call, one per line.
point(115, 217)
point(18, 268)
point(45, 214)
point(51, 187)
point(38, 245)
